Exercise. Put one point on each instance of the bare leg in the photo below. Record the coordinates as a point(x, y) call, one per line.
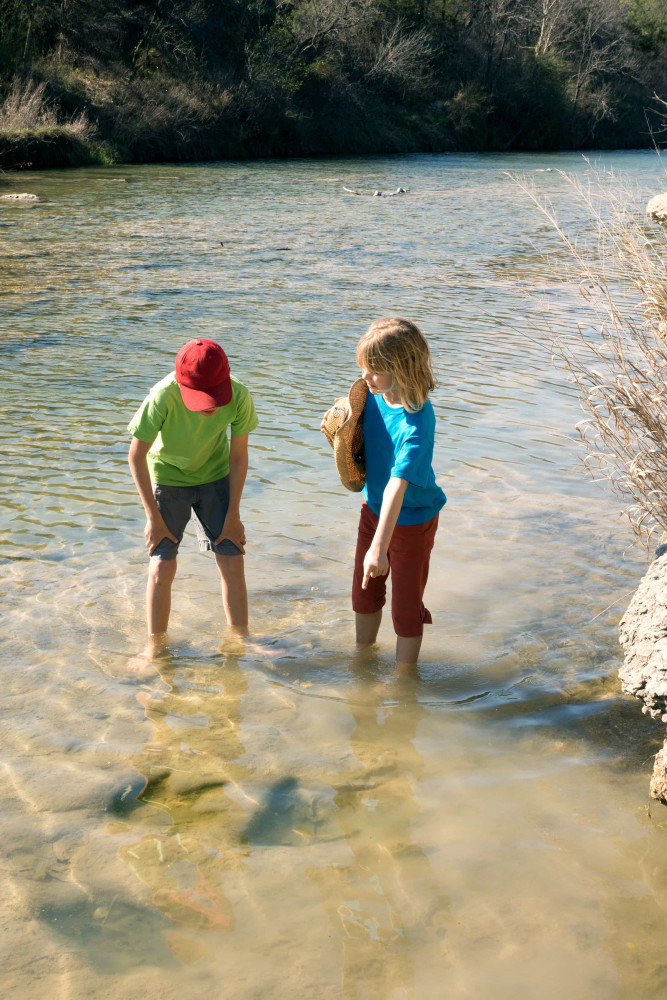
point(235, 602)
point(407, 652)
point(161, 573)
point(234, 592)
point(367, 627)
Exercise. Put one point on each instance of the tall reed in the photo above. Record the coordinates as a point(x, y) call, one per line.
point(618, 359)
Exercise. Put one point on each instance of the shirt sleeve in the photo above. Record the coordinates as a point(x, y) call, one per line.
point(148, 420)
point(414, 456)
point(245, 419)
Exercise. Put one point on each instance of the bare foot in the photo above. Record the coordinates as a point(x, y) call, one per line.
point(407, 671)
point(142, 664)
point(237, 642)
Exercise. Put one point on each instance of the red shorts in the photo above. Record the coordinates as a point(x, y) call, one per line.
point(409, 553)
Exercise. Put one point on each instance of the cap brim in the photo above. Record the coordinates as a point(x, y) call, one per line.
point(206, 399)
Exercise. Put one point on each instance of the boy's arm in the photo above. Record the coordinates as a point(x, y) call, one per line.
point(155, 529)
point(375, 560)
point(238, 469)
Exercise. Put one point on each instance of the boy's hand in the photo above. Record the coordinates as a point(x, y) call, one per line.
point(155, 531)
point(375, 564)
point(233, 530)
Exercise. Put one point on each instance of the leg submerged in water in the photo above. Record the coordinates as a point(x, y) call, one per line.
point(161, 573)
point(407, 652)
point(236, 642)
point(234, 592)
point(410, 552)
point(146, 663)
point(367, 627)
point(367, 602)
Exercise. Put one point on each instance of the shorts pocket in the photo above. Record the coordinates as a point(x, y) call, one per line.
point(170, 492)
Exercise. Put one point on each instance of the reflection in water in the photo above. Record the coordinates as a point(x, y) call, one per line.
point(188, 767)
point(386, 904)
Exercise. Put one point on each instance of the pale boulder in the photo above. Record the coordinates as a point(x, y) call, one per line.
point(643, 636)
point(657, 207)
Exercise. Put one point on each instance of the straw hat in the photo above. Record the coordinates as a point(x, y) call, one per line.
point(342, 429)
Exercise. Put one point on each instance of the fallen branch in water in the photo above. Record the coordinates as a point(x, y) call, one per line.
point(376, 194)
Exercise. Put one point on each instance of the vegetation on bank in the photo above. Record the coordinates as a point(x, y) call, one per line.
point(618, 358)
point(145, 80)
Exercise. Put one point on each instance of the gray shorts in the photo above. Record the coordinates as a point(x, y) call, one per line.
point(208, 503)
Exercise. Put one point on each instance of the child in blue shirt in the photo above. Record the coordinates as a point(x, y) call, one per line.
point(399, 516)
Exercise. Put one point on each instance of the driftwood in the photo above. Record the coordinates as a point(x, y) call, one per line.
point(643, 636)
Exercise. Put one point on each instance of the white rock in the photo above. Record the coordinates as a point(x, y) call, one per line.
point(23, 196)
point(657, 208)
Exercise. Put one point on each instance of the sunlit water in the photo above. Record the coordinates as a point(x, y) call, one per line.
point(304, 824)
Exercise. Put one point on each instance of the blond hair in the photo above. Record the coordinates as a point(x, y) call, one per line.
point(399, 347)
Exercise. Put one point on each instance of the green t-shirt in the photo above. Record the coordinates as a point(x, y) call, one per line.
point(189, 448)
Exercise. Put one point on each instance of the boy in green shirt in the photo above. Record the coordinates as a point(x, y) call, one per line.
point(183, 462)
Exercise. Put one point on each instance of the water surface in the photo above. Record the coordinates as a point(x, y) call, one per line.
point(306, 824)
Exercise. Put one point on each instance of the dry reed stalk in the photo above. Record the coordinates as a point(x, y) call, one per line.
point(25, 107)
point(619, 363)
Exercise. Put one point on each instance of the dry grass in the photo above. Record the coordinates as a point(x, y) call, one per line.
point(619, 360)
point(26, 109)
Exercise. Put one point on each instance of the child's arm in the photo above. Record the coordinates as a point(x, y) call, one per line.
point(375, 560)
point(155, 529)
point(238, 469)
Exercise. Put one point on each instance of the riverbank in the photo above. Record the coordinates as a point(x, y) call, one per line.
point(65, 145)
point(139, 121)
point(411, 96)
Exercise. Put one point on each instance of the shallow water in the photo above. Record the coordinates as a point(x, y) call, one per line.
point(305, 824)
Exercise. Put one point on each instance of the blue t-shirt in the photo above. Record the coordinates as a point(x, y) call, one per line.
point(399, 443)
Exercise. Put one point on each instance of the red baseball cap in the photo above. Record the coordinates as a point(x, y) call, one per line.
point(202, 373)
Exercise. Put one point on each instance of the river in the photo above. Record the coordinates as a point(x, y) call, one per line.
point(290, 822)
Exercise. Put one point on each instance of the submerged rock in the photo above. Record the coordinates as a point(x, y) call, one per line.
point(657, 208)
point(643, 636)
point(23, 196)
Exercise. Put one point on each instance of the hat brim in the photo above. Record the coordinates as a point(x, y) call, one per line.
point(348, 441)
point(335, 418)
point(206, 399)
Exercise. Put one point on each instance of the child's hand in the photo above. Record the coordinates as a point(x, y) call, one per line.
point(155, 531)
point(233, 530)
point(324, 418)
point(376, 563)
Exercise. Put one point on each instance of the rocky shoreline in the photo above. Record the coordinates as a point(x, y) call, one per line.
point(643, 636)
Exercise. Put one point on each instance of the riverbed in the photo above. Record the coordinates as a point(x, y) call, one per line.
point(289, 820)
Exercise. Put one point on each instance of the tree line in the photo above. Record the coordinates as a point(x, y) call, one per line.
point(191, 79)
